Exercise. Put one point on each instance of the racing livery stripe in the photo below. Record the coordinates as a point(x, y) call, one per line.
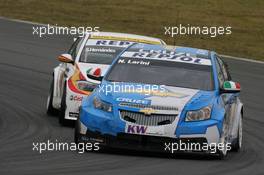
point(74, 89)
point(76, 77)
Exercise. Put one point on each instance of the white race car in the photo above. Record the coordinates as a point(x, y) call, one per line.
point(82, 68)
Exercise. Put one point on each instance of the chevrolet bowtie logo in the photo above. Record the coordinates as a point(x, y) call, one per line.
point(147, 111)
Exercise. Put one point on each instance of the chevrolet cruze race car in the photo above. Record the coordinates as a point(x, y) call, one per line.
point(91, 54)
point(160, 98)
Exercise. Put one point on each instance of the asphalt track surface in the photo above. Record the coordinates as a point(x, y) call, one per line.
point(26, 64)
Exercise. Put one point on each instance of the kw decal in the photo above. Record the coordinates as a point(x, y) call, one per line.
point(136, 129)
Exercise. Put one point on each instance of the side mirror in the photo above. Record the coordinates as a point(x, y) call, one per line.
point(65, 58)
point(94, 74)
point(230, 87)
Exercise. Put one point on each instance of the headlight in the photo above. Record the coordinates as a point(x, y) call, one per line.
point(86, 86)
point(99, 104)
point(202, 114)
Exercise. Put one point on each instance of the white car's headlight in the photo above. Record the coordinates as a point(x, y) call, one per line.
point(99, 104)
point(86, 86)
point(202, 114)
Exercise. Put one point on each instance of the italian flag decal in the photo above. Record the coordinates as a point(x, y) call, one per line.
point(96, 72)
point(231, 85)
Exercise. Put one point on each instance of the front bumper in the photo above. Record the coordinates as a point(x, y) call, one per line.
point(138, 142)
point(105, 133)
point(111, 124)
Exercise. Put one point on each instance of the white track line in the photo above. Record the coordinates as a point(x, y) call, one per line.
point(243, 59)
point(23, 21)
point(225, 56)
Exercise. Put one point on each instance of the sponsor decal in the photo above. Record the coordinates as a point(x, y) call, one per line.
point(158, 93)
point(76, 98)
point(91, 139)
point(73, 114)
point(113, 43)
point(125, 39)
point(164, 52)
point(140, 62)
point(136, 129)
point(130, 100)
point(100, 50)
point(171, 56)
point(108, 43)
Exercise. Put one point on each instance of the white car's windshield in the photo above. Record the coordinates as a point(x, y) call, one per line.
point(100, 54)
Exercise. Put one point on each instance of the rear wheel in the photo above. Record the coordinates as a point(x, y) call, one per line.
point(50, 109)
point(62, 119)
point(238, 141)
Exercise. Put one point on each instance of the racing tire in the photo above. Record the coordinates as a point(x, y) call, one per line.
point(237, 145)
point(76, 133)
point(62, 119)
point(222, 153)
point(77, 140)
point(50, 109)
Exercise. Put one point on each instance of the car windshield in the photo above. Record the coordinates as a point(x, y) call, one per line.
point(160, 72)
point(100, 54)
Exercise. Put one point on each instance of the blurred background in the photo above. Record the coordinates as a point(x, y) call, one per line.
point(149, 17)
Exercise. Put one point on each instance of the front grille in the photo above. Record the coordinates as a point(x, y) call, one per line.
point(155, 107)
point(148, 120)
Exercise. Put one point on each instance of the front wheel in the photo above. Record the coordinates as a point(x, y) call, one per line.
point(62, 119)
point(50, 109)
point(76, 132)
point(222, 152)
point(238, 141)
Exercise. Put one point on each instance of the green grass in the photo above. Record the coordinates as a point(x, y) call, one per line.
point(246, 17)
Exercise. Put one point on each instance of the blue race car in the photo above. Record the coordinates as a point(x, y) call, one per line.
point(164, 98)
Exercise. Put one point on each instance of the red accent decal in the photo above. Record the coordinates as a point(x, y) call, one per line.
point(237, 85)
point(97, 72)
point(81, 77)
